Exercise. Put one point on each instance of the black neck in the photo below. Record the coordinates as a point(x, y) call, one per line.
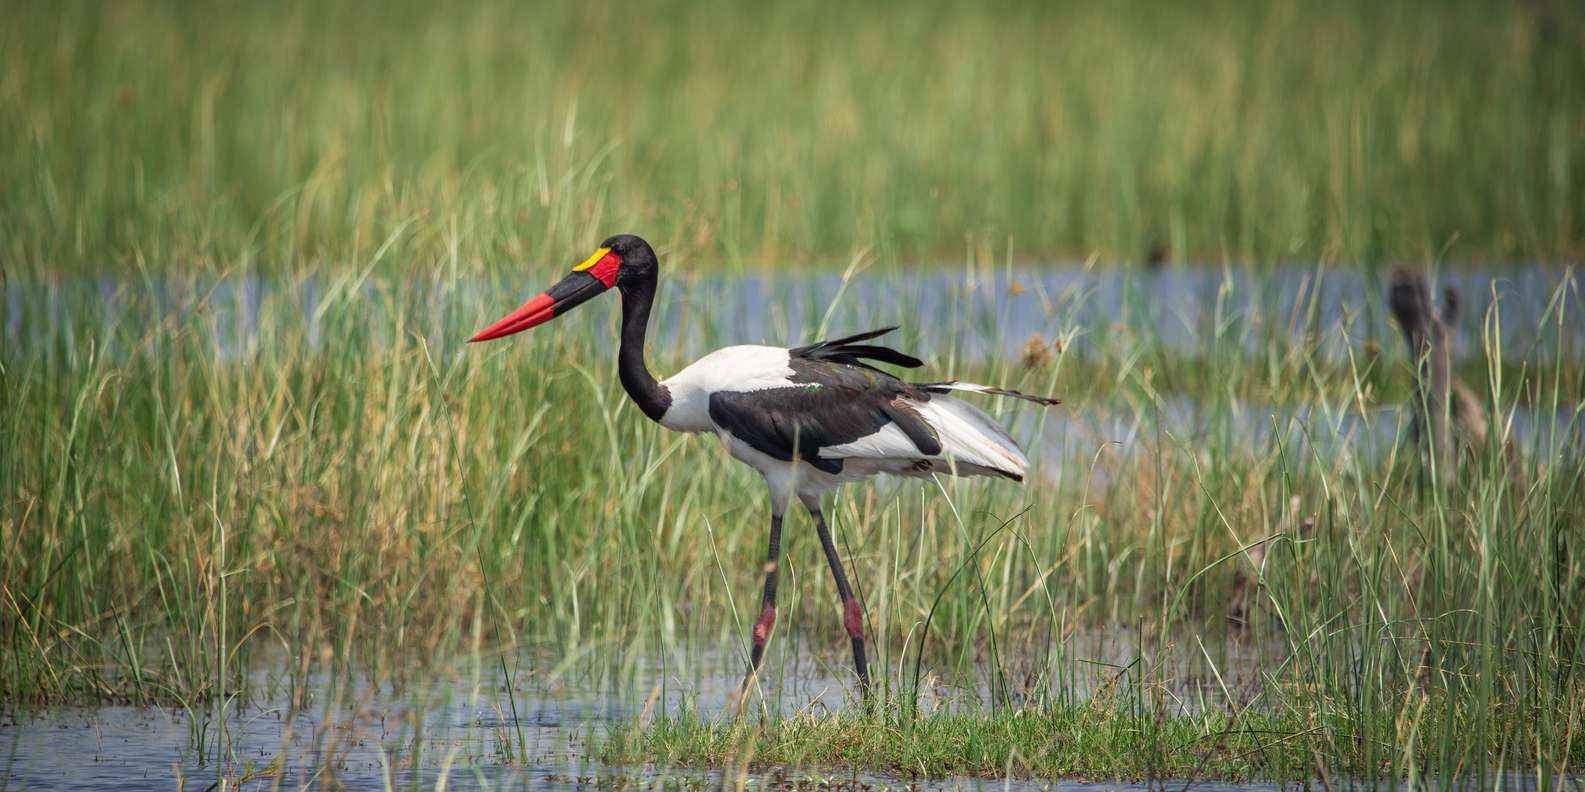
point(650, 396)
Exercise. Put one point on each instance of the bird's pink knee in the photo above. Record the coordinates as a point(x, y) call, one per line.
point(767, 620)
point(853, 618)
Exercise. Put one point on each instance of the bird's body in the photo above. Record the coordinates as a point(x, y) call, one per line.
point(809, 425)
point(807, 418)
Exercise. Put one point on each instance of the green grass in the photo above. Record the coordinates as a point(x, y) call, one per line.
point(382, 504)
point(359, 493)
point(306, 136)
point(1088, 742)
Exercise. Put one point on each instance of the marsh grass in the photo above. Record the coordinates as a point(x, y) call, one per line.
point(302, 136)
point(352, 486)
point(1087, 742)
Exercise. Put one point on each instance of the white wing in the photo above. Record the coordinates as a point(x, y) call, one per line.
point(969, 439)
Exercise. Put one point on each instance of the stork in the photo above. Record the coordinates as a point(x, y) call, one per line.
point(808, 418)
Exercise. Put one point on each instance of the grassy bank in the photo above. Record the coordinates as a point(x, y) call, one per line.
point(369, 495)
point(1091, 742)
point(304, 136)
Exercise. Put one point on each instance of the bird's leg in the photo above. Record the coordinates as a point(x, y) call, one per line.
point(852, 612)
point(767, 608)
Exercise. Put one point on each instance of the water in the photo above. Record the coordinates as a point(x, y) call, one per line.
point(463, 731)
point(1331, 311)
point(458, 733)
point(125, 748)
point(462, 726)
point(460, 730)
point(1332, 438)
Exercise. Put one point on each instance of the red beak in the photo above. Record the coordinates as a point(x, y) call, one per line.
point(585, 281)
point(537, 311)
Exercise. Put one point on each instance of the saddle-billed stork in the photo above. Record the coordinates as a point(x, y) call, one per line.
point(807, 418)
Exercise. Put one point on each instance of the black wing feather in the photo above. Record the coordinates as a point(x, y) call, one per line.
point(848, 351)
point(914, 426)
point(795, 423)
point(864, 336)
point(879, 354)
point(830, 404)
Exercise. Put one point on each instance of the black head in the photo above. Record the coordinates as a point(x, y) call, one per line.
point(637, 257)
point(623, 261)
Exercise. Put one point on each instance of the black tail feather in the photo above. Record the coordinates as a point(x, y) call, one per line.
point(969, 387)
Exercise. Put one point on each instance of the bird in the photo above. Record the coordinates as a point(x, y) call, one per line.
point(807, 418)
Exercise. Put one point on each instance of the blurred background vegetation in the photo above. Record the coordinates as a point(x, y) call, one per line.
point(405, 134)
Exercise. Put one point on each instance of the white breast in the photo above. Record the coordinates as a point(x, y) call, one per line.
point(734, 368)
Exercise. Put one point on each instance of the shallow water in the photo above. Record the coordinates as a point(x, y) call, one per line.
point(1334, 311)
point(1336, 439)
point(467, 743)
point(126, 748)
point(462, 728)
